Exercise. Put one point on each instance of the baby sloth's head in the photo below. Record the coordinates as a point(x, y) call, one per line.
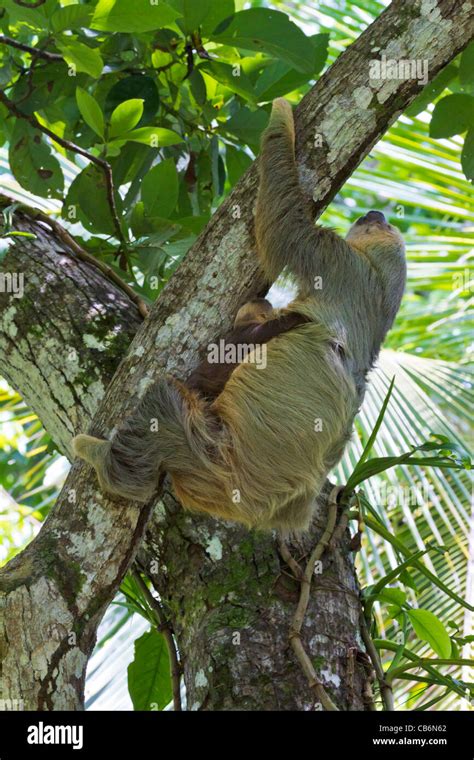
point(372, 234)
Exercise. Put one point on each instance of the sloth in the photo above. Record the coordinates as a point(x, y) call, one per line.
point(256, 323)
point(255, 445)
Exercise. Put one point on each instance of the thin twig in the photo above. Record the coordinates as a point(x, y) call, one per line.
point(36, 52)
point(68, 145)
point(163, 625)
point(385, 689)
point(287, 556)
point(340, 530)
point(305, 588)
point(81, 254)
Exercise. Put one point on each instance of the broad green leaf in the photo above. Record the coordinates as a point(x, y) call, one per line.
point(202, 14)
point(229, 76)
point(247, 125)
point(466, 65)
point(393, 596)
point(452, 115)
point(90, 111)
point(269, 32)
point(33, 164)
point(132, 17)
point(71, 17)
point(125, 116)
point(280, 78)
point(198, 87)
point(149, 679)
point(34, 17)
point(237, 162)
point(50, 83)
point(134, 86)
point(429, 628)
point(160, 189)
point(432, 90)
point(87, 201)
point(155, 137)
point(467, 155)
point(82, 57)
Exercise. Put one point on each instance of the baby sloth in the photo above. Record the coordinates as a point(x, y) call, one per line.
point(254, 444)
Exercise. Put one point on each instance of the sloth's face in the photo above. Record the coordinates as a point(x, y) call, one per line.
point(373, 234)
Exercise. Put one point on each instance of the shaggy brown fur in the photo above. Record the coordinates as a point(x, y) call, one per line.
point(252, 327)
point(260, 452)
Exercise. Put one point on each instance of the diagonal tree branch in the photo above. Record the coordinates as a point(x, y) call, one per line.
point(36, 52)
point(67, 576)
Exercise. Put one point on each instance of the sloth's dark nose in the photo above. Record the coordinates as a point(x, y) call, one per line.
point(372, 216)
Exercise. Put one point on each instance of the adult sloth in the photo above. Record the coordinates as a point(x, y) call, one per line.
point(260, 452)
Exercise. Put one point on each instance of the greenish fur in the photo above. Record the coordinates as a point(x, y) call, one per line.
point(258, 438)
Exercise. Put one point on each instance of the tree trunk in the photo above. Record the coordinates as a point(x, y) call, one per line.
point(229, 597)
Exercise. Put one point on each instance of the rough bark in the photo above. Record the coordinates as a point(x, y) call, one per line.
point(63, 339)
point(215, 579)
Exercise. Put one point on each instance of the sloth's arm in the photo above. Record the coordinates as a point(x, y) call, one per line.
point(286, 234)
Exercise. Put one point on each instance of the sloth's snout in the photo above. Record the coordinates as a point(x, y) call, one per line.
point(371, 217)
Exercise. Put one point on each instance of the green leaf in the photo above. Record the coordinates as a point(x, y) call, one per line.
point(392, 596)
point(149, 680)
point(374, 524)
point(237, 162)
point(429, 628)
point(160, 189)
point(126, 116)
point(431, 91)
point(90, 111)
point(34, 17)
point(407, 579)
point(134, 86)
point(87, 201)
point(230, 77)
point(354, 479)
point(71, 17)
point(202, 14)
point(466, 65)
point(269, 32)
point(155, 137)
point(248, 125)
point(82, 57)
point(279, 78)
point(50, 83)
point(394, 611)
point(380, 464)
point(217, 168)
point(452, 115)
point(198, 87)
point(33, 164)
point(125, 16)
point(467, 155)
